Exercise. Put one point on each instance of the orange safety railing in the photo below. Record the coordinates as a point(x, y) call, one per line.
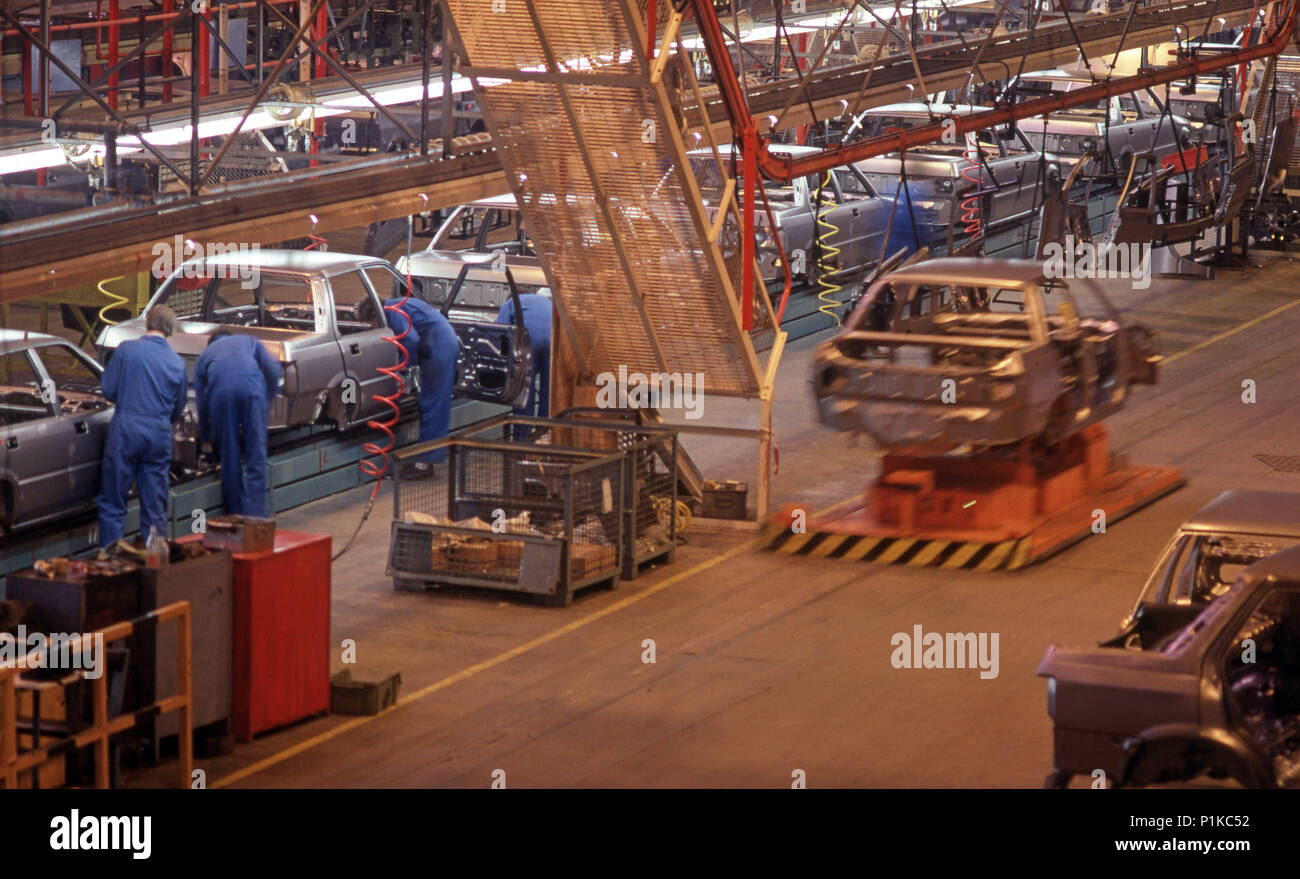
point(13, 762)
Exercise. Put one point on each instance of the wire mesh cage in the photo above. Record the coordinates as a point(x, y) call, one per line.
point(653, 516)
point(507, 515)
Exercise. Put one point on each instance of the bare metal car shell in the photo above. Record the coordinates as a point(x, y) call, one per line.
point(1177, 707)
point(1118, 131)
point(859, 214)
point(50, 462)
point(1016, 389)
point(1006, 180)
point(317, 362)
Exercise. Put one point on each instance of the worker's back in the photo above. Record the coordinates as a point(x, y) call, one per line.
point(236, 358)
point(146, 378)
point(536, 318)
point(435, 334)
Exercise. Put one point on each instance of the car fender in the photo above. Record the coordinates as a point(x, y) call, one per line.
point(1244, 763)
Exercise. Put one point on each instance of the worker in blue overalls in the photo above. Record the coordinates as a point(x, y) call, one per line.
point(234, 382)
point(433, 345)
point(146, 380)
point(537, 321)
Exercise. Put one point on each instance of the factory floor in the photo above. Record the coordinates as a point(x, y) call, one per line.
point(767, 664)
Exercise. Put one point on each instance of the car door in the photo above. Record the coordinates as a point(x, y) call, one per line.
point(363, 344)
point(495, 363)
point(1016, 170)
point(80, 422)
point(32, 458)
point(867, 215)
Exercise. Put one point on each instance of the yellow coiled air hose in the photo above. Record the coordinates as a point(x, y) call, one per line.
point(826, 252)
point(118, 301)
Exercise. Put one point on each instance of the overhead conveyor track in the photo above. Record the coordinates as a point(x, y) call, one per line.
point(85, 246)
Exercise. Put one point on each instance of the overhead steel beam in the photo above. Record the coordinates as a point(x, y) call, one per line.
point(45, 258)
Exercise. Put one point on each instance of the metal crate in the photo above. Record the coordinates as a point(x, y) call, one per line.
point(651, 517)
point(507, 515)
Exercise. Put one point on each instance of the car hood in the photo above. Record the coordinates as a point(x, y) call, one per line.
point(448, 264)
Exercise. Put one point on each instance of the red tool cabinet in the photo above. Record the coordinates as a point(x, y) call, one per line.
point(281, 612)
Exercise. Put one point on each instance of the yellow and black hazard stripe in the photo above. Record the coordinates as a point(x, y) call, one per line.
point(918, 552)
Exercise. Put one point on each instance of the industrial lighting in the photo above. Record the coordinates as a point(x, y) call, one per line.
point(28, 159)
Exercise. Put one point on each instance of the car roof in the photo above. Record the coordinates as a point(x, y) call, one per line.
point(311, 262)
point(975, 271)
point(18, 340)
point(916, 108)
point(780, 149)
point(1059, 75)
point(1250, 512)
point(506, 201)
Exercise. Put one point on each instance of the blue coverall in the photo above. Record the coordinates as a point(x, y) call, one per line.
point(537, 320)
point(146, 379)
point(434, 345)
point(234, 381)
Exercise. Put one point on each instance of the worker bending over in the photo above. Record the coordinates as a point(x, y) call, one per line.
point(433, 344)
point(537, 321)
point(234, 381)
point(145, 378)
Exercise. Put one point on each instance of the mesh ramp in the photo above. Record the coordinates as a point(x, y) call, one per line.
point(593, 149)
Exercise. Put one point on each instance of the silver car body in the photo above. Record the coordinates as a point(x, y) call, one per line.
point(325, 352)
point(1005, 180)
point(53, 422)
point(860, 216)
point(1122, 125)
point(484, 289)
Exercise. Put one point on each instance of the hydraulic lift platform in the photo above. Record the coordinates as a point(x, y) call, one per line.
point(987, 512)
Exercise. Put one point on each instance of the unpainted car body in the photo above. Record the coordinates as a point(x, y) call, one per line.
point(53, 422)
point(1191, 689)
point(302, 305)
point(479, 258)
point(962, 351)
point(1115, 128)
point(1002, 179)
point(859, 215)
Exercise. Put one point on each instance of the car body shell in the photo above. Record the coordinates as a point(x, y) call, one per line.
point(327, 373)
point(1186, 700)
point(851, 217)
point(928, 362)
point(1004, 181)
point(50, 446)
point(1128, 125)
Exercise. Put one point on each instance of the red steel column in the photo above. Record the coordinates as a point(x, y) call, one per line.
point(202, 55)
point(168, 68)
point(114, 31)
point(750, 180)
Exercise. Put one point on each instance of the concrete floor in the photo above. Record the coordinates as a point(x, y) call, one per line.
point(768, 664)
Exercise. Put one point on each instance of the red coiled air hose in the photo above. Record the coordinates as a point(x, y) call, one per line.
point(971, 220)
point(368, 467)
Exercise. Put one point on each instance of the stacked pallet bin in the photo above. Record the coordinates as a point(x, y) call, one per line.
point(539, 506)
